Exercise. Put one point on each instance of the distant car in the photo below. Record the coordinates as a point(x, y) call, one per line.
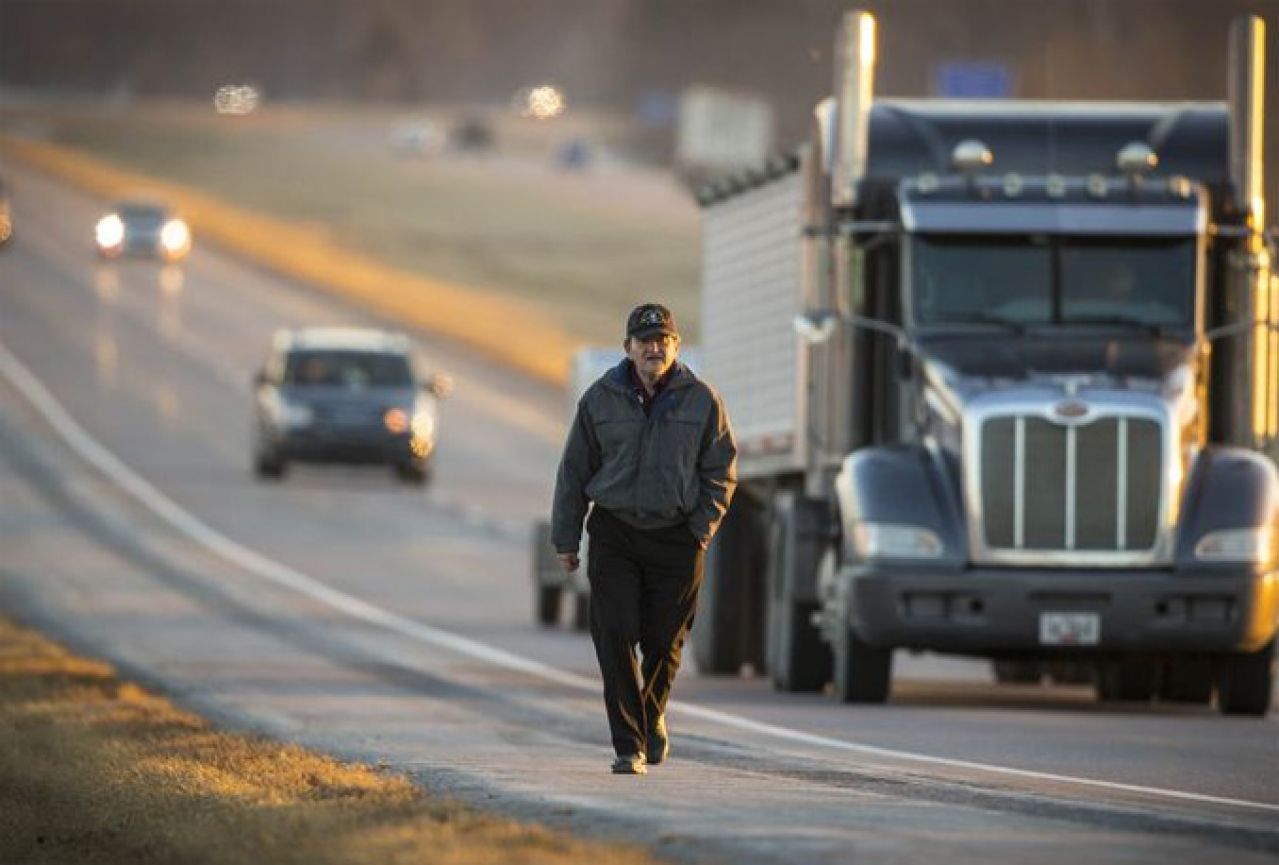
point(345, 395)
point(143, 228)
point(6, 215)
point(418, 138)
point(472, 134)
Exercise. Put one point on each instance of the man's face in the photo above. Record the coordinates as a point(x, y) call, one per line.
point(652, 356)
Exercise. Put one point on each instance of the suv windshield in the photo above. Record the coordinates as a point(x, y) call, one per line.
point(352, 369)
point(1042, 279)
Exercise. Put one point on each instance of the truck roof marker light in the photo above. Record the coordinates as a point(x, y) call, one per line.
point(928, 183)
point(970, 155)
point(1055, 186)
point(1013, 185)
point(1179, 187)
point(1135, 159)
point(1097, 186)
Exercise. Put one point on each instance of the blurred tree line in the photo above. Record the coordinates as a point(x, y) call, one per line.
point(616, 54)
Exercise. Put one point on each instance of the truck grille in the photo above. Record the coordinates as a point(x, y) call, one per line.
point(1094, 486)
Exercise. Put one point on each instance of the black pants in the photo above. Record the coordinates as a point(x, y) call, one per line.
point(644, 588)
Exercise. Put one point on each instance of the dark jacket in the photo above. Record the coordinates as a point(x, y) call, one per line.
point(676, 465)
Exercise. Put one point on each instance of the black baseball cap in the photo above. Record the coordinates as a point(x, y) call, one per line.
point(650, 319)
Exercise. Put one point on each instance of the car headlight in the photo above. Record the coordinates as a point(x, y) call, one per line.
point(175, 236)
point(110, 231)
point(293, 414)
point(894, 541)
point(1236, 545)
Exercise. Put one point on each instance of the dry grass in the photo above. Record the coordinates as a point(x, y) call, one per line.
point(96, 770)
point(581, 249)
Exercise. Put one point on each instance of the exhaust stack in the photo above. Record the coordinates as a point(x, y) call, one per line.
point(1247, 94)
point(854, 91)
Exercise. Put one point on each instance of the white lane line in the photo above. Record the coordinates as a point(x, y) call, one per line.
point(254, 563)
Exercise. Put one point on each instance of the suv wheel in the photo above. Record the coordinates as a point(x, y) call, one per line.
point(269, 467)
point(413, 473)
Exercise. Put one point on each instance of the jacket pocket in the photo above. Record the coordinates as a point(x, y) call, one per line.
point(678, 446)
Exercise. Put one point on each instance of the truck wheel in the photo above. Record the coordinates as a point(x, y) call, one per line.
point(863, 674)
point(1017, 672)
point(1245, 682)
point(548, 605)
point(798, 659)
point(1186, 681)
point(725, 635)
point(582, 610)
point(1126, 681)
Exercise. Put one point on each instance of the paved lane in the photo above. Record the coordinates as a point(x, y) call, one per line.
point(155, 364)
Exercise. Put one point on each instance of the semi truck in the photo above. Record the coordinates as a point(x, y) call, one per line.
point(1005, 382)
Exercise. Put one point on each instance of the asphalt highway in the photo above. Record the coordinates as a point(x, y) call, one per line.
point(346, 611)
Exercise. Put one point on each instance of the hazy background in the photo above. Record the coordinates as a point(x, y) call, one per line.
point(628, 55)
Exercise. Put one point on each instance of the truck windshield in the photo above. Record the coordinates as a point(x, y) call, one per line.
point(1040, 279)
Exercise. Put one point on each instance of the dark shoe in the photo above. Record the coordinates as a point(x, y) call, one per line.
point(630, 764)
point(659, 743)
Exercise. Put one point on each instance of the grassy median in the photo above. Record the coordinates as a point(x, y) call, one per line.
point(96, 770)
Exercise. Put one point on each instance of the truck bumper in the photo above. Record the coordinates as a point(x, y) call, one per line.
point(1000, 610)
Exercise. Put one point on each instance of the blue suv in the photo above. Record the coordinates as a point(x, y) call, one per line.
point(345, 395)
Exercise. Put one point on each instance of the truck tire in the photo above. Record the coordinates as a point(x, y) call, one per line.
point(1126, 680)
point(798, 659)
point(548, 605)
point(716, 639)
point(1186, 681)
point(1245, 682)
point(1017, 672)
point(726, 632)
point(801, 662)
point(863, 674)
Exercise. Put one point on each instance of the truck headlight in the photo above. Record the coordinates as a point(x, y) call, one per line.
point(1236, 545)
point(894, 541)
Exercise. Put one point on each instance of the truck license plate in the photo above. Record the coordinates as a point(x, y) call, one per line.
point(1069, 629)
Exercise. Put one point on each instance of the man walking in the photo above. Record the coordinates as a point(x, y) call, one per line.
point(652, 449)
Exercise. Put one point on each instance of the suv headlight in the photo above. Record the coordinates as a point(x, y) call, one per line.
point(894, 541)
point(1236, 545)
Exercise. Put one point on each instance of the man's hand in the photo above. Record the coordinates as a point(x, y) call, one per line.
point(568, 561)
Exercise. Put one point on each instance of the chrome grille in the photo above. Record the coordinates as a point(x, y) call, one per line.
point(1093, 486)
